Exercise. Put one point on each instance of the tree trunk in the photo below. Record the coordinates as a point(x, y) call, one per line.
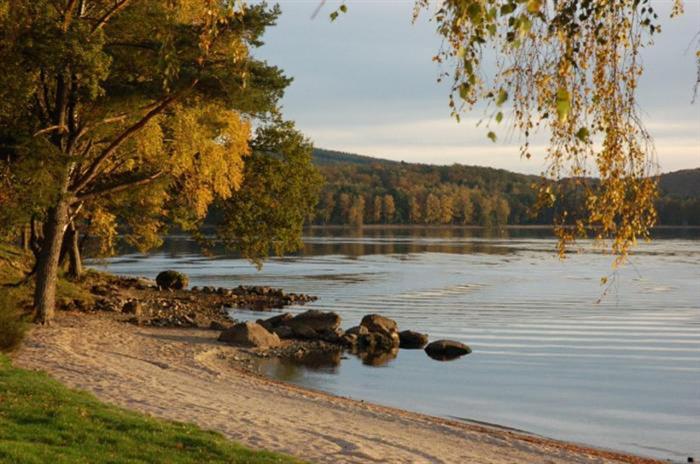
point(26, 237)
point(75, 263)
point(47, 264)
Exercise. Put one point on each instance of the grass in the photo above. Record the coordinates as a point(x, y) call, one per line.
point(43, 421)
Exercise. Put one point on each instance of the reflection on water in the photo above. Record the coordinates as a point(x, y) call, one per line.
point(623, 374)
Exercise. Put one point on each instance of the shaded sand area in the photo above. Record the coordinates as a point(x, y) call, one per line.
point(186, 375)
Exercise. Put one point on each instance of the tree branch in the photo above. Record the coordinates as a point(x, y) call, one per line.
point(57, 127)
point(120, 5)
point(68, 15)
point(118, 187)
point(93, 169)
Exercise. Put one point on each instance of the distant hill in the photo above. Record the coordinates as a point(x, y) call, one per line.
point(323, 157)
point(366, 190)
point(682, 184)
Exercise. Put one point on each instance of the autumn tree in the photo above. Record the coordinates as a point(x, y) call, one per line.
point(446, 209)
point(388, 208)
point(415, 212)
point(377, 209)
point(356, 212)
point(100, 99)
point(571, 67)
point(344, 204)
point(432, 209)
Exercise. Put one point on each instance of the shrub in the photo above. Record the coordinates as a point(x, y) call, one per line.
point(12, 324)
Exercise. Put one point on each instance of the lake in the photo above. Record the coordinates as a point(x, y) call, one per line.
point(554, 353)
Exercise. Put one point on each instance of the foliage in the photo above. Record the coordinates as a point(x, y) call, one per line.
point(465, 195)
point(279, 193)
point(571, 66)
point(42, 421)
point(362, 190)
point(126, 113)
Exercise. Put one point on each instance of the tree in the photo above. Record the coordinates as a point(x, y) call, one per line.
point(572, 66)
point(446, 209)
point(327, 206)
point(279, 193)
point(432, 209)
point(464, 206)
point(377, 209)
point(415, 214)
point(345, 202)
point(356, 213)
point(389, 208)
point(106, 104)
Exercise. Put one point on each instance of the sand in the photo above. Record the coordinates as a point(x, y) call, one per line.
point(186, 375)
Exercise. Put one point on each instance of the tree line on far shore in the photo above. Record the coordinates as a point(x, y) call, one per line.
point(362, 190)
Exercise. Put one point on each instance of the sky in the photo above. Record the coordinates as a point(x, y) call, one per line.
point(366, 84)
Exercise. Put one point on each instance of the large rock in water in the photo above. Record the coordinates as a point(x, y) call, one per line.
point(379, 324)
point(275, 321)
point(412, 340)
point(249, 334)
point(172, 280)
point(316, 320)
point(445, 350)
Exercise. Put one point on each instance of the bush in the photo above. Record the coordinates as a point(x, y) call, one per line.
point(174, 280)
point(12, 324)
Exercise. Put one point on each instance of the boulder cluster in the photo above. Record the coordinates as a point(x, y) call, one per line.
point(166, 302)
point(256, 298)
point(375, 340)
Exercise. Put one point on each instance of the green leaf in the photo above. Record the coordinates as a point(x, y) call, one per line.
point(464, 91)
point(474, 12)
point(499, 117)
point(563, 104)
point(502, 97)
point(507, 9)
point(583, 134)
point(492, 136)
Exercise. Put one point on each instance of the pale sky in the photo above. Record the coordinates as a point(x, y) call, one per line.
point(366, 84)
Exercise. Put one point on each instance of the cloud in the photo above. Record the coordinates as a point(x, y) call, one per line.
point(366, 84)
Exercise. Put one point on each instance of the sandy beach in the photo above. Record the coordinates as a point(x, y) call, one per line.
point(186, 375)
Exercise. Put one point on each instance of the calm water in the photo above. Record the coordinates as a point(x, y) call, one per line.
point(623, 373)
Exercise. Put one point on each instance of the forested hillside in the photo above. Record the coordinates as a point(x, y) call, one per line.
point(365, 190)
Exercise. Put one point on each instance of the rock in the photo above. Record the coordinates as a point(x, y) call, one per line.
point(249, 334)
point(375, 341)
point(100, 290)
point(380, 324)
point(378, 358)
point(330, 336)
point(316, 320)
point(275, 321)
point(412, 340)
point(283, 332)
point(357, 331)
point(216, 325)
point(133, 307)
point(142, 283)
point(304, 331)
point(349, 339)
point(445, 350)
point(172, 280)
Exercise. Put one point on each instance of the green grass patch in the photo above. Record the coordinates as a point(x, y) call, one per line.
point(42, 421)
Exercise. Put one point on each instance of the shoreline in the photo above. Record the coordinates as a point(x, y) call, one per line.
point(184, 374)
